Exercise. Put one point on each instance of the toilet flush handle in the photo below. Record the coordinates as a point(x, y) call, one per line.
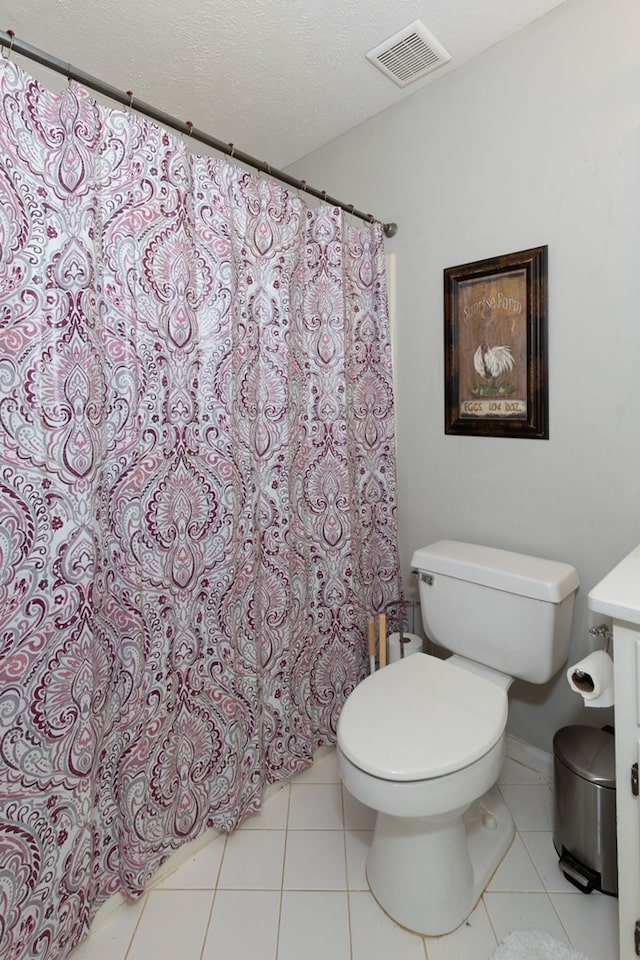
point(424, 577)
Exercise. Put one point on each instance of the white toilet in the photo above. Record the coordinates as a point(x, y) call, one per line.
point(422, 741)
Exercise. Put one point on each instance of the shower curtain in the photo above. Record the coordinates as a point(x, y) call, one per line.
point(197, 496)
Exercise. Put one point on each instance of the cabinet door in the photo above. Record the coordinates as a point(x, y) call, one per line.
point(626, 658)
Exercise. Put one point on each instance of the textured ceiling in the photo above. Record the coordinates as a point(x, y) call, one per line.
point(279, 78)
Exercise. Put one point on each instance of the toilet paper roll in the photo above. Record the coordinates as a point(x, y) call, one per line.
point(414, 644)
point(592, 678)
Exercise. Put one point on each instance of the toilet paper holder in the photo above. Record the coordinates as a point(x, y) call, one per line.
point(602, 632)
point(402, 617)
point(593, 676)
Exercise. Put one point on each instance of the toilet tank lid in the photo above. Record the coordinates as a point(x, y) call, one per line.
point(526, 576)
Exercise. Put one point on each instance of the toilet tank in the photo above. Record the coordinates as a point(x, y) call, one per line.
point(504, 610)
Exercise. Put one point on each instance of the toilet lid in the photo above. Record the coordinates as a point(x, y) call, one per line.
point(420, 718)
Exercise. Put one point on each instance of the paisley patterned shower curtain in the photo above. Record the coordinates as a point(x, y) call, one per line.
point(197, 496)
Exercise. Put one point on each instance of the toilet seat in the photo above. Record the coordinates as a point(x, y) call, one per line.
point(421, 718)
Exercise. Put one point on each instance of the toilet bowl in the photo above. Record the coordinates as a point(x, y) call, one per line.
point(440, 830)
point(422, 741)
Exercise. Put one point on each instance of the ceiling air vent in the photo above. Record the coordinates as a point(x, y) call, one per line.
point(409, 54)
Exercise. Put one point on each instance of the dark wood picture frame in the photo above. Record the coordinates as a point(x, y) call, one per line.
point(495, 343)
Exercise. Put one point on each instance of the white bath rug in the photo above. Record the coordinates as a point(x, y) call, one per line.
point(534, 945)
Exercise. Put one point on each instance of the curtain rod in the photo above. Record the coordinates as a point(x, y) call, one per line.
point(8, 39)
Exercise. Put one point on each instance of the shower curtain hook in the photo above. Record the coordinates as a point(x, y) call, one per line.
point(7, 55)
point(231, 148)
point(129, 93)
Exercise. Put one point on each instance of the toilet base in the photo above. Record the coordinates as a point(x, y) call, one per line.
point(428, 874)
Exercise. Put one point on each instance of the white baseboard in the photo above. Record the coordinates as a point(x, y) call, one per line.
point(175, 861)
point(530, 756)
point(106, 911)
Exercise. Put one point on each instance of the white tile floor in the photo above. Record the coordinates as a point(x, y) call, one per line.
point(290, 884)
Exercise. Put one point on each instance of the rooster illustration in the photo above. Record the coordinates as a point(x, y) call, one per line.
point(492, 362)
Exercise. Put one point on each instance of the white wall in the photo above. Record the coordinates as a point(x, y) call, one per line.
point(535, 142)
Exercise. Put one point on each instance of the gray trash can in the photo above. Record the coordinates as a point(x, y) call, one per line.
point(584, 821)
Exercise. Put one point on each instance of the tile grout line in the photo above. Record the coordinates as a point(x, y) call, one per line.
point(346, 871)
point(553, 907)
point(213, 900)
point(207, 925)
point(135, 929)
point(486, 910)
point(284, 862)
point(535, 867)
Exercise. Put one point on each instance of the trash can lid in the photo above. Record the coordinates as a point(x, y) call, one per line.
point(587, 751)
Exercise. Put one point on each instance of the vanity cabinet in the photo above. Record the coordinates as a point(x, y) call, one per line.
point(618, 597)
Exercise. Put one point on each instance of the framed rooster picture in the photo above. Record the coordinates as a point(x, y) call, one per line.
point(495, 343)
